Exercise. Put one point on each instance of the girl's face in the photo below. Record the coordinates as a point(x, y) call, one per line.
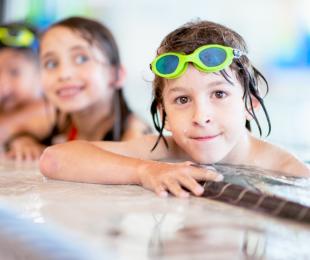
point(19, 79)
point(205, 114)
point(75, 74)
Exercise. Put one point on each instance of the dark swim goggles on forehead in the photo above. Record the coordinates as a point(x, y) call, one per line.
point(17, 37)
point(207, 58)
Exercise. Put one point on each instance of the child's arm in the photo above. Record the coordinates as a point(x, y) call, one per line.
point(35, 118)
point(85, 162)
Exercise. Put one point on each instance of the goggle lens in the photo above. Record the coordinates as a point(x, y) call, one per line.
point(167, 64)
point(212, 57)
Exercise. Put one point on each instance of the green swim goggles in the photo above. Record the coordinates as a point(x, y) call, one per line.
point(207, 58)
point(16, 37)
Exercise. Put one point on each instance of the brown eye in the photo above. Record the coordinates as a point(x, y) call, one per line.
point(220, 94)
point(182, 100)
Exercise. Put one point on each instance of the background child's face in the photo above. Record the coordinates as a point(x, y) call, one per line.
point(19, 79)
point(75, 74)
point(205, 114)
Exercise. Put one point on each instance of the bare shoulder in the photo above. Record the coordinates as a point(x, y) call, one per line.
point(141, 147)
point(279, 159)
point(135, 127)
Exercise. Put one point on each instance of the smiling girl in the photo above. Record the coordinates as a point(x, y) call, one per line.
point(82, 77)
point(206, 92)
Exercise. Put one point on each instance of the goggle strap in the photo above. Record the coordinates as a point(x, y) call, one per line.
point(237, 53)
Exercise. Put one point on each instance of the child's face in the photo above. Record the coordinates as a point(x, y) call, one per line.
point(75, 74)
point(19, 79)
point(205, 114)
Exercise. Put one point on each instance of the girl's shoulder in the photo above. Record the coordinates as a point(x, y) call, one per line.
point(278, 159)
point(135, 127)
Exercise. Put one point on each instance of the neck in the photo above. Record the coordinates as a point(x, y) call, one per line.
point(94, 122)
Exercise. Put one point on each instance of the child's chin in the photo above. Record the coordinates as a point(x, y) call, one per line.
point(207, 159)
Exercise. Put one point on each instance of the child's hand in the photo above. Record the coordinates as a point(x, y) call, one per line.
point(174, 177)
point(4, 135)
point(24, 148)
point(6, 132)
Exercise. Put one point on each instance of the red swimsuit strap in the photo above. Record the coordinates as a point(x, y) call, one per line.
point(72, 133)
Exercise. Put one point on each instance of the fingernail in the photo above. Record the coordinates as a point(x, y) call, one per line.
point(209, 167)
point(219, 177)
point(199, 190)
point(163, 194)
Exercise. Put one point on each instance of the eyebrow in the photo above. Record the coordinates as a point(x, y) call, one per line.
point(217, 83)
point(211, 85)
point(46, 55)
point(79, 47)
point(74, 48)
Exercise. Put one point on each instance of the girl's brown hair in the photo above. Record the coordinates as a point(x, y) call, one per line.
point(187, 39)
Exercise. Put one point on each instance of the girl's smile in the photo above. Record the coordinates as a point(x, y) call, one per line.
point(69, 91)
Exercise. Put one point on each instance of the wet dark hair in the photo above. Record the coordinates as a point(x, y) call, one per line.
point(30, 51)
point(187, 39)
point(95, 33)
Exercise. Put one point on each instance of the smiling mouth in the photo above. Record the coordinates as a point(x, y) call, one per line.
point(206, 137)
point(69, 92)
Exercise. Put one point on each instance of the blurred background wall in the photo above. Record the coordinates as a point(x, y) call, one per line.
point(277, 33)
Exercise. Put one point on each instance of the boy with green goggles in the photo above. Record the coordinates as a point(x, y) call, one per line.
point(207, 58)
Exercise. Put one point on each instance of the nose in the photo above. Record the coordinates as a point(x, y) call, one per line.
point(202, 114)
point(65, 72)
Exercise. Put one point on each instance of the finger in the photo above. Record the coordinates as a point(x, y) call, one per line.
point(36, 154)
point(175, 188)
point(189, 183)
point(188, 163)
point(205, 174)
point(10, 154)
point(33, 154)
point(161, 191)
point(19, 154)
point(27, 154)
point(203, 166)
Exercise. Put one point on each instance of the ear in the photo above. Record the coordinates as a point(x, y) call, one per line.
point(256, 106)
point(118, 77)
point(160, 109)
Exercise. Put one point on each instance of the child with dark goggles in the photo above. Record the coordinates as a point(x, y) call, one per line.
point(207, 58)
